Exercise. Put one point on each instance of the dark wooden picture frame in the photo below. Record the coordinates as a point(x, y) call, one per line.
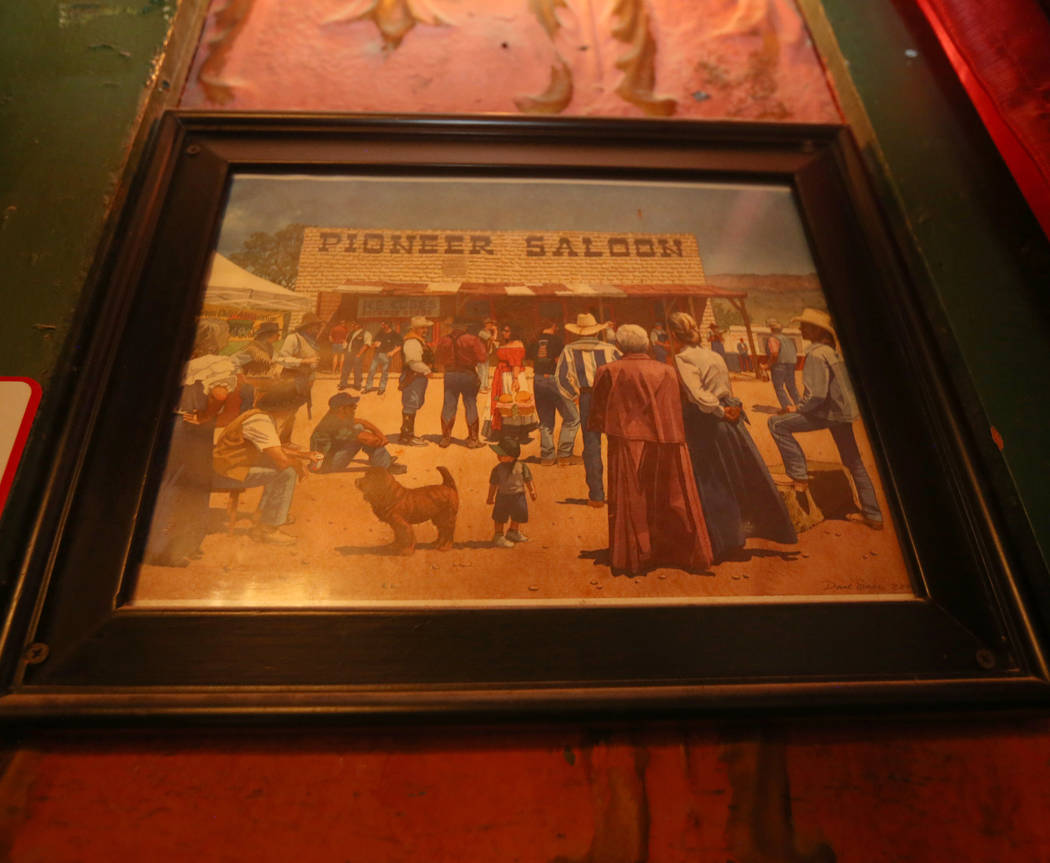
point(973, 634)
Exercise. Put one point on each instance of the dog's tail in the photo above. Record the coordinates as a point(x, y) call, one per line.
point(446, 478)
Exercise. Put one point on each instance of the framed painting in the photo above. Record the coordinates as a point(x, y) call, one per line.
point(380, 415)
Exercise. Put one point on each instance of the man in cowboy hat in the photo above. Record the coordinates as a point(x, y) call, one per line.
point(459, 353)
point(256, 357)
point(300, 355)
point(250, 453)
point(574, 375)
point(827, 403)
point(417, 368)
point(782, 357)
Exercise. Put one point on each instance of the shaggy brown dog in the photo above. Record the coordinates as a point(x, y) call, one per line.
point(402, 507)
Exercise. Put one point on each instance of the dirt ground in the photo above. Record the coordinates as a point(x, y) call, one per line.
point(342, 556)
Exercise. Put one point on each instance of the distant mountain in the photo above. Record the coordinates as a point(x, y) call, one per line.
point(781, 296)
point(769, 282)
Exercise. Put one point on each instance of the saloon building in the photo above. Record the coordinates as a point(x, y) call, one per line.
point(516, 276)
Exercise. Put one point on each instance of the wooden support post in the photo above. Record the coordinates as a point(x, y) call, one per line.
point(742, 308)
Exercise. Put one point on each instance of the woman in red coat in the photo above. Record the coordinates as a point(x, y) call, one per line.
point(655, 517)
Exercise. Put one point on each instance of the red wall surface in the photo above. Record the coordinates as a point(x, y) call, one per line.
point(709, 59)
point(876, 792)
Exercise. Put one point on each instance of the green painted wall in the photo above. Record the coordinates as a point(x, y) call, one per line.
point(72, 77)
point(985, 254)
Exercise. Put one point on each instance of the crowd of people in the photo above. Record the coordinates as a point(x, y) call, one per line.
point(684, 485)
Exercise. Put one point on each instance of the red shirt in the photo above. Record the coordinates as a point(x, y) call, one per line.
point(337, 335)
point(459, 351)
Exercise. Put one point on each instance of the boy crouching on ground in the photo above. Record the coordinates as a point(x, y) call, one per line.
point(507, 485)
point(341, 434)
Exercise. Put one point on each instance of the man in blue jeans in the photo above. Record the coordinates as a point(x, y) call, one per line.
point(544, 351)
point(416, 369)
point(782, 356)
point(459, 353)
point(357, 345)
point(341, 434)
point(387, 344)
point(250, 453)
point(574, 377)
point(827, 403)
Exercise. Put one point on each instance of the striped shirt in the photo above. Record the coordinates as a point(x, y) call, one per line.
point(579, 362)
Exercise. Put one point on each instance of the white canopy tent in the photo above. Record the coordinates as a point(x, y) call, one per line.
point(231, 286)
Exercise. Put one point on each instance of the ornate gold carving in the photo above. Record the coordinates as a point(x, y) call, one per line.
point(394, 18)
point(558, 94)
point(639, 63)
point(555, 98)
point(631, 24)
point(229, 22)
point(546, 12)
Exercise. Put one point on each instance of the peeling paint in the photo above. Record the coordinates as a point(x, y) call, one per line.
point(18, 770)
point(997, 438)
point(106, 46)
point(760, 827)
point(616, 775)
point(73, 14)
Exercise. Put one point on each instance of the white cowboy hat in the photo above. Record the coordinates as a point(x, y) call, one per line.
point(818, 319)
point(419, 322)
point(586, 325)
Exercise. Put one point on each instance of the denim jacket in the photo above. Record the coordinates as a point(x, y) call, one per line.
point(828, 393)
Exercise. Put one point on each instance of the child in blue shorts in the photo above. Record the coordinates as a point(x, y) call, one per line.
point(507, 484)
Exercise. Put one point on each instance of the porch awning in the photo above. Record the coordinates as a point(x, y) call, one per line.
point(547, 289)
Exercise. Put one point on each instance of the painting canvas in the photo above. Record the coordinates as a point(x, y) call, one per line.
point(469, 391)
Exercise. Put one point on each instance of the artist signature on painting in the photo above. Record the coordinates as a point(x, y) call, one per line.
point(855, 586)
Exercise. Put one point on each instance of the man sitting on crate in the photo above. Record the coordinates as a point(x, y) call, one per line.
point(249, 453)
point(828, 403)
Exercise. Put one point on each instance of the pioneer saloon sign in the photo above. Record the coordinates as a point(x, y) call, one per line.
point(534, 245)
point(335, 258)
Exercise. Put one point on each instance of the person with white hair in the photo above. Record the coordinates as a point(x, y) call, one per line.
point(655, 516)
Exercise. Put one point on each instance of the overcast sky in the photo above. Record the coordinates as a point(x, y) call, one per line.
point(739, 229)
